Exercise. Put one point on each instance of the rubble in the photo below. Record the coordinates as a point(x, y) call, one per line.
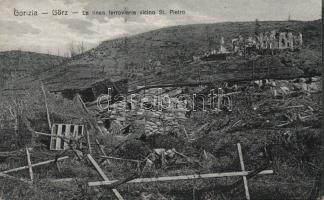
point(188, 145)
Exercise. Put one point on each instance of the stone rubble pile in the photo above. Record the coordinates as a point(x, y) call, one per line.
point(284, 87)
point(160, 115)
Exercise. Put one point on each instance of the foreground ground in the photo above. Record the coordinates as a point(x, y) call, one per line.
point(277, 123)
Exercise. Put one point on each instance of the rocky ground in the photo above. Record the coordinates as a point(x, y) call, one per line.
point(277, 124)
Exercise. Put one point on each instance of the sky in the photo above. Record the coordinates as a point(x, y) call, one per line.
point(47, 33)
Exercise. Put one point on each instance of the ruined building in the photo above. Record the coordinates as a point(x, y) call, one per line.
point(268, 40)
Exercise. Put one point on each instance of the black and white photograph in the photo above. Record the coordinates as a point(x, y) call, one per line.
point(161, 100)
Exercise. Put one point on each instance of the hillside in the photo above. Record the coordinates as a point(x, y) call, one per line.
point(160, 54)
point(272, 127)
point(18, 65)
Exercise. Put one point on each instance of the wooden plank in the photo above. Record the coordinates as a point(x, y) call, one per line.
point(103, 176)
point(31, 174)
point(33, 165)
point(47, 111)
point(14, 178)
point(46, 134)
point(246, 188)
point(59, 140)
point(88, 141)
point(185, 177)
point(102, 151)
point(91, 119)
point(61, 180)
point(123, 159)
point(82, 134)
point(49, 135)
point(75, 131)
point(83, 104)
point(52, 135)
point(67, 134)
point(125, 180)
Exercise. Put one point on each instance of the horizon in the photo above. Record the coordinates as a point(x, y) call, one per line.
point(121, 36)
point(131, 35)
point(54, 34)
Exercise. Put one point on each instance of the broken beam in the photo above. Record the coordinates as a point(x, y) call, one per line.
point(33, 165)
point(102, 151)
point(61, 180)
point(31, 174)
point(246, 187)
point(47, 111)
point(177, 178)
point(86, 112)
point(103, 175)
point(89, 144)
point(123, 159)
point(50, 135)
point(14, 178)
point(101, 148)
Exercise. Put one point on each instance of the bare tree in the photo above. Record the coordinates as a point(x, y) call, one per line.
point(72, 50)
point(80, 48)
point(76, 49)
